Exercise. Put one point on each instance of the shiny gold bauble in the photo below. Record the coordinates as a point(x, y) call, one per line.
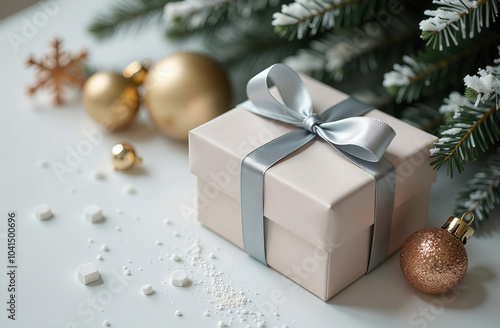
point(123, 156)
point(434, 260)
point(111, 99)
point(185, 90)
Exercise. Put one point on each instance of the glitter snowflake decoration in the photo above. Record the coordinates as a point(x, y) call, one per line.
point(56, 71)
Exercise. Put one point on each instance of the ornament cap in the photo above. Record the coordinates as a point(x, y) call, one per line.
point(459, 227)
point(137, 71)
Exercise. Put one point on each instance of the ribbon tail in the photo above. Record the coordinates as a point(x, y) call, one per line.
point(253, 168)
point(384, 173)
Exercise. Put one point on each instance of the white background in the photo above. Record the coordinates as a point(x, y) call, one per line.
point(49, 295)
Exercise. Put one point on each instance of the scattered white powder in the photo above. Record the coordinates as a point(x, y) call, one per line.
point(206, 314)
point(104, 248)
point(99, 257)
point(179, 278)
point(221, 324)
point(175, 258)
point(119, 210)
point(127, 272)
point(178, 313)
point(106, 323)
point(90, 240)
point(42, 212)
point(175, 234)
point(167, 221)
point(147, 289)
point(158, 242)
point(118, 228)
point(212, 256)
point(129, 189)
point(93, 213)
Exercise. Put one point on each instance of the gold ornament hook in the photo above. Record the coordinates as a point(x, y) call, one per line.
point(459, 227)
point(471, 214)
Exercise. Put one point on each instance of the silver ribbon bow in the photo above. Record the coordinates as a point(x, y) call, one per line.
point(362, 140)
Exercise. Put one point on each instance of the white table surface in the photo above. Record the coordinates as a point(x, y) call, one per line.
point(49, 294)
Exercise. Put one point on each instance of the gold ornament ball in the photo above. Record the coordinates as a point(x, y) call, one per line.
point(111, 100)
point(124, 156)
point(433, 260)
point(185, 90)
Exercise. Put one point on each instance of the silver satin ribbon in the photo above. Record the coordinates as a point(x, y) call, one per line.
point(362, 140)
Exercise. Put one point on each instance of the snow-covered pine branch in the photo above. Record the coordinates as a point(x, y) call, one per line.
point(345, 51)
point(457, 18)
point(469, 130)
point(189, 15)
point(308, 17)
point(482, 193)
point(485, 85)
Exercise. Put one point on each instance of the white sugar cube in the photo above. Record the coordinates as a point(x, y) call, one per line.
point(43, 212)
point(147, 289)
point(93, 213)
point(179, 278)
point(88, 273)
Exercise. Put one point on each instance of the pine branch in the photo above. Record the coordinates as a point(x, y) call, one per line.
point(482, 193)
point(125, 15)
point(429, 71)
point(423, 115)
point(352, 52)
point(484, 86)
point(249, 47)
point(455, 19)
point(303, 17)
point(191, 17)
point(471, 128)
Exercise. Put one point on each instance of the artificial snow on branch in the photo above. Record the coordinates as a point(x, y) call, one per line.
point(482, 193)
point(485, 85)
point(429, 71)
point(191, 15)
point(127, 14)
point(344, 52)
point(457, 18)
point(308, 17)
point(470, 129)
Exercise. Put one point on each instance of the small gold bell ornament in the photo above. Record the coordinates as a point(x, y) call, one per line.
point(124, 156)
point(434, 260)
point(185, 90)
point(112, 99)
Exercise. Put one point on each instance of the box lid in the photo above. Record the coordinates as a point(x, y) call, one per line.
point(331, 198)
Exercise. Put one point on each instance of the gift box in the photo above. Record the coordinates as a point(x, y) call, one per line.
point(318, 205)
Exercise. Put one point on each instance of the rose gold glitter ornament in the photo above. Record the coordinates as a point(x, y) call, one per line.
point(434, 260)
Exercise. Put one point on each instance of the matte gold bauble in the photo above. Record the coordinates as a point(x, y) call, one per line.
point(434, 260)
point(111, 99)
point(185, 90)
point(124, 156)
